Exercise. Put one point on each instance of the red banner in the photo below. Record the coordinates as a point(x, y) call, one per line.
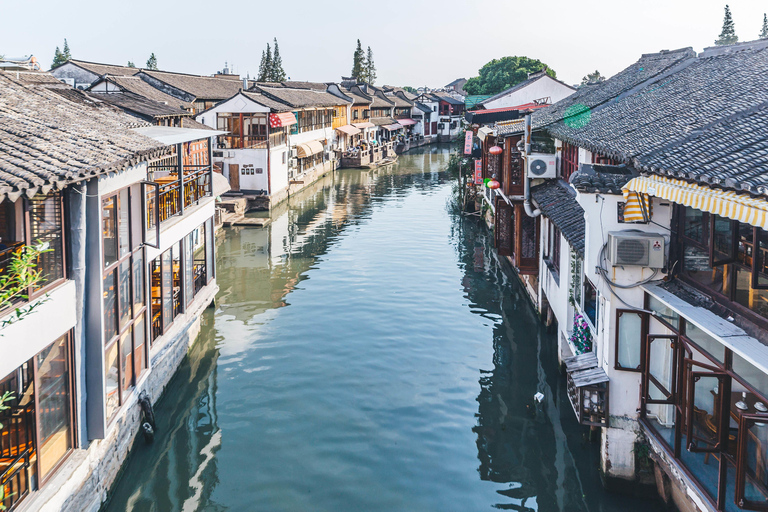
point(478, 172)
point(468, 142)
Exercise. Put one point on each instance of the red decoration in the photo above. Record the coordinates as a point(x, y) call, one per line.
point(493, 184)
point(495, 150)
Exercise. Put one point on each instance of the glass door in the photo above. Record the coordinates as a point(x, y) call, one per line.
point(659, 384)
point(752, 462)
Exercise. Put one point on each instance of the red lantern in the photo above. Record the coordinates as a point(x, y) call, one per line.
point(493, 184)
point(495, 150)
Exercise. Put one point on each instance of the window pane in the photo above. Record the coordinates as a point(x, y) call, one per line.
point(124, 224)
point(167, 280)
point(45, 223)
point(110, 307)
point(756, 463)
point(665, 313)
point(109, 230)
point(189, 271)
point(590, 302)
point(126, 362)
point(694, 224)
point(177, 297)
point(723, 238)
point(54, 401)
point(209, 263)
point(136, 220)
point(756, 300)
point(529, 241)
point(125, 292)
point(705, 342)
point(139, 339)
point(750, 374)
point(111, 381)
point(696, 266)
point(138, 282)
point(630, 337)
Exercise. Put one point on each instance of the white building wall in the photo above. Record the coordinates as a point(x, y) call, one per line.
point(543, 87)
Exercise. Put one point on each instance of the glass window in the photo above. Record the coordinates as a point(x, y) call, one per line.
point(754, 299)
point(750, 374)
point(696, 266)
point(139, 342)
point(590, 302)
point(124, 223)
point(630, 334)
point(125, 292)
point(664, 312)
point(189, 270)
point(111, 381)
point(177, 281)
point(138, 282)
point(210, 264)
point(705, 342)
point(167, 285)
point(54, 404)
point(110, 306)
point(109, 230)
point(45, 225)
point(126, 362)
point(723, 237)
point(694, 223)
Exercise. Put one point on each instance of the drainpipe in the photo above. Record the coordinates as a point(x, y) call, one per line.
point(526, 181)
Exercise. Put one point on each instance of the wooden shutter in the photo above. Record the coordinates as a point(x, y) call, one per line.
point(503, 231)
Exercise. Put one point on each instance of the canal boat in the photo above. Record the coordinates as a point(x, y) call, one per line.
point(369, 157)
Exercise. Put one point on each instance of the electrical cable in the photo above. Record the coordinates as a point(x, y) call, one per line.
point(604, 274)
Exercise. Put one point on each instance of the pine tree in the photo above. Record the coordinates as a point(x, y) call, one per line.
point(267, 66)
point(152, 62)
point(278, 73)
point(67, 55)
point(358, 63)
point(58, 58)
point(261, 77)
point(131, 64)
point(370, 68)
point(728, 35)
point(764, 31)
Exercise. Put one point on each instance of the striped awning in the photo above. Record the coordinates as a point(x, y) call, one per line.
point(308, 149)
point(282, 120)
point(726, 203)
point(349, 129)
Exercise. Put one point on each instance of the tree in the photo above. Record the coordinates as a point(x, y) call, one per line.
point(593, 78)
point(152, 62)
point(265, 68)
point(728, 35)
point(764, 30)
point(66, 53)
point(501, 74)
point(131, 64)
point(410, 89)
point(358, 63)
point(58, 58)
point(278, 74)
point(370, 68)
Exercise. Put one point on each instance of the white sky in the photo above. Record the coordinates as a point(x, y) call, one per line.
point(415, 42)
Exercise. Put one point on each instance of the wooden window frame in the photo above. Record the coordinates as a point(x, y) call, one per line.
point(643, 333)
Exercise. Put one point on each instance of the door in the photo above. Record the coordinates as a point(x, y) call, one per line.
point(706, 407)
point(234, 176)
point(752, 462)
point(434, 127)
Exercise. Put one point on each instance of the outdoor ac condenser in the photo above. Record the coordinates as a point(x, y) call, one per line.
point(635, 248)
point(541, 165)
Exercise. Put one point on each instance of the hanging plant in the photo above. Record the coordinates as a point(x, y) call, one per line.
point(582, 336)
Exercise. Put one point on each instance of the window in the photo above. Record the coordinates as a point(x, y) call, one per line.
point(124, 302)
point(46, 227)
point(553, 250)
point(245, 130)
point(569, 159)
point(591, 303)
point(630, 329)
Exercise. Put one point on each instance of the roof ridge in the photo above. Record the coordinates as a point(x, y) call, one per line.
point(714, 51)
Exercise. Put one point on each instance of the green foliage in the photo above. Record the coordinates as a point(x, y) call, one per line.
point(152, 62)
point(501, 74)
point(265, 68)
point(277, 72)
point(370, 68)
point(58, 58)
point(582, 336)
point(5, 398)
point(21, 274)
point(131, 64)
point(66, 52)
point(764, 30)
point(410, 89)
point(593, 78)
point(358, 63)
point(728, 35)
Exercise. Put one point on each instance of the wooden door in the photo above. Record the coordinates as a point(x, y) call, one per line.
point(234, 176)
point(434, 128)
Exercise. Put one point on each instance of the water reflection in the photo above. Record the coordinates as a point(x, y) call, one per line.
point(367, 353)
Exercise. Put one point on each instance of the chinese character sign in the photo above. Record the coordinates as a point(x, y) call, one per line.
point(478, 172)
point(468, 142)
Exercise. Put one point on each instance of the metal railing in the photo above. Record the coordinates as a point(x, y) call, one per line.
point(200, 275)
point(15, 481)
point(197, 184)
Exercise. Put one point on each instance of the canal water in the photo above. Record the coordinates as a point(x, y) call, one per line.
point(367, 353)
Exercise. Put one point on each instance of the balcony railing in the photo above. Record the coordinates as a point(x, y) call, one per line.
point(200, 275)
point(14, 481)
point(197, 184)
point(245, 142)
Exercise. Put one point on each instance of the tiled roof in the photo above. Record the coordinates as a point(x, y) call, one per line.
point(602, 179)
point(48, 141)
point(382, 121)
point(399, 102)
point(267, 101)
point(201, 87)
point(557, 201)
point(359, 97)
point(139, 105)
point(299, 98)
point(42, 78)
point(316, 86)
point(443, 96)
point(423, 107)
point(381, 101)
point(103, 69)
point(138, 86)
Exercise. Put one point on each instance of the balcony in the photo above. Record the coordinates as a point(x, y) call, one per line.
point(170, 201)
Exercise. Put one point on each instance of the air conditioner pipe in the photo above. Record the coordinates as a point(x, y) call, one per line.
point(526, 181)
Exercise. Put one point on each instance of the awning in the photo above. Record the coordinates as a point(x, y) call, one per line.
point(349, 129)
point(309, 148)
point(406, 122)
point(364, 125)
point(171, 135)
point(282, 120)
point(392, 127)
point(725, 203)
point(220, 184)
point(483, 132)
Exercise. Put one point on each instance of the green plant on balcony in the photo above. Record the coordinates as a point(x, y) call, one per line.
point(20, 275)
point(581, 336)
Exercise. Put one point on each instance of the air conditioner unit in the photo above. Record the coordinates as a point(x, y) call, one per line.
point(541, 165)
point(635, 248)
point(293, 153)
point(293, 163)
point(69, 81)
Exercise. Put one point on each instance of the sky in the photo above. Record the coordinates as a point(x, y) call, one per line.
point(414, 42)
